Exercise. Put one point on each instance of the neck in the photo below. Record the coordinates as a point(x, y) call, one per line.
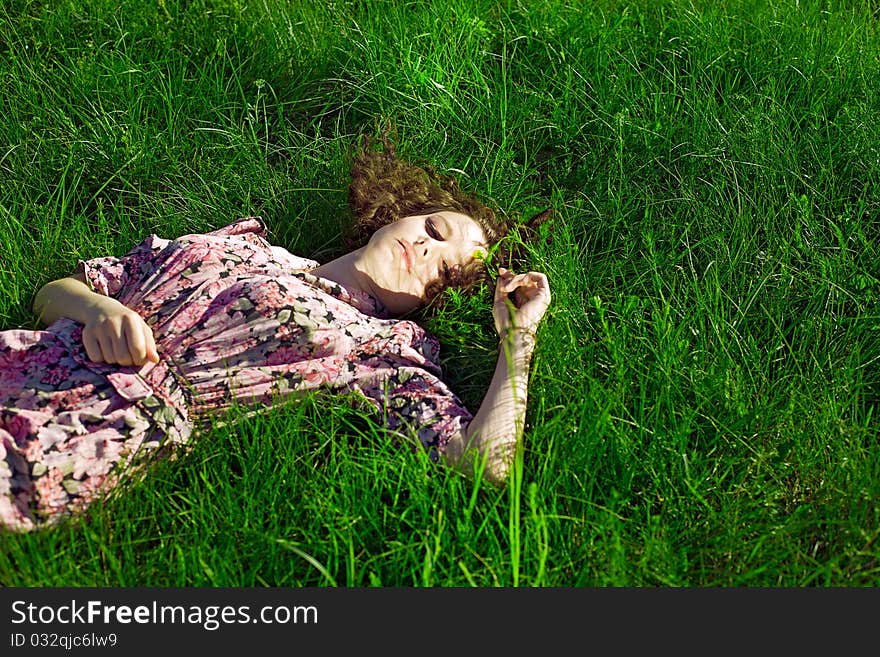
point(345, 271)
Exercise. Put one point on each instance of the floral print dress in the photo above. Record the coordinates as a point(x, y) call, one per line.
point(236, 321)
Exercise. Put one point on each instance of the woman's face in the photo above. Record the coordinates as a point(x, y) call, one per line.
point(403, 257)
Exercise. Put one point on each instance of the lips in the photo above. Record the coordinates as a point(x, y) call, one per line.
point(407, 255)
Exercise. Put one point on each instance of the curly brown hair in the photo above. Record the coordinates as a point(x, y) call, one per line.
point(385, 188)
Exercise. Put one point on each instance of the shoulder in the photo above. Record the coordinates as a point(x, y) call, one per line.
point(244, 240)
point(289, 261)
point(252, 230)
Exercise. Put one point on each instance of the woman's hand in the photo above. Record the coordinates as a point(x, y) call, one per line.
point(112, 333)
point(494, 434)
point(118, 335)
point(520, 300)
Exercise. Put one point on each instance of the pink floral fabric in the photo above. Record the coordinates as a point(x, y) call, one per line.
point(236, 320)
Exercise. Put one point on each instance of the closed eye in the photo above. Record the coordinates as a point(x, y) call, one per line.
point(431, 228)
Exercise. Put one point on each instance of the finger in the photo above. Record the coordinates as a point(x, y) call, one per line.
point(543, 285)
point(540, 279)
point(535, 282)
point(504, 306)
point(505, 275)
point(519, 281)
point(106, 346)
point(506, 284)
point(134, 338)
point(93, 349)
point(120, 351)
point(152, 351)
point(500, 290)
point(116, 345)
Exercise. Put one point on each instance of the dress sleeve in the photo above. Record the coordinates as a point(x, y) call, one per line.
point(252, 231)
point(418, 405)
point(111, 276)
point(241, 246)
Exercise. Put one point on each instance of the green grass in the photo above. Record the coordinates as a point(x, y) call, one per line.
point(703, 402)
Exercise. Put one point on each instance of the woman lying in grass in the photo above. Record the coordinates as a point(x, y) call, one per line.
point(138, 349)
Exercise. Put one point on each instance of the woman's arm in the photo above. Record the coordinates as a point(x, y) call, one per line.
point(112, 333)
point(493, 435)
